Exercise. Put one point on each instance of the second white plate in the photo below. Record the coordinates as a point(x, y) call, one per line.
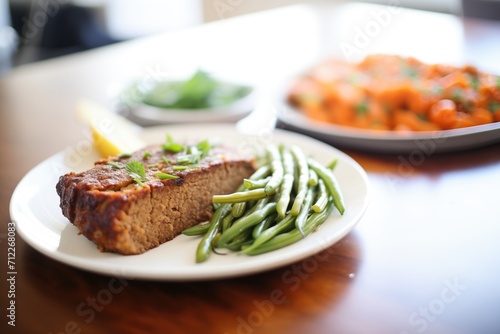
point(427, 142)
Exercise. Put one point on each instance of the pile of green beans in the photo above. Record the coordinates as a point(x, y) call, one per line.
point(288, 197)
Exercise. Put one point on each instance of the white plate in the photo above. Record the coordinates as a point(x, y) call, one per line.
point(35, 209)
point(425, 142)
point(147, 115)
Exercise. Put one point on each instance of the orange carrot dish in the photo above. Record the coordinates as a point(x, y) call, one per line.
point(388, 92)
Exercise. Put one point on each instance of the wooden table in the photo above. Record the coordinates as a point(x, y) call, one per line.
point(424, 258)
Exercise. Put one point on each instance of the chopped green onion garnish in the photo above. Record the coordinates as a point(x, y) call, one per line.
point(124, 155)
point(172, 146)
point(188, 159)
point(165, 176)
point(114, 164)
point(146, 155)
point(204, 147)
point(165, 159)
point(176, 168)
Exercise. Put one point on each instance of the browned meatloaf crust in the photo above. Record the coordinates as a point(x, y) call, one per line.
point(125, 217)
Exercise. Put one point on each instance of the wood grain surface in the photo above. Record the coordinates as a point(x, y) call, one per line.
point(423, 259)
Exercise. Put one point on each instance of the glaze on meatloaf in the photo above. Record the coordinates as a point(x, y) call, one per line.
point(128, 217)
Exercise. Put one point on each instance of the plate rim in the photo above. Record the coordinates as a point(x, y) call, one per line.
point(384, 141)
point(240, 268)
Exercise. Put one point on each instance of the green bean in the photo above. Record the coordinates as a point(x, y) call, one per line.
point(227, 221)
point(322, 198)
point(261, 172)
point(241, 196)
point(196, 230)
point(301, 161)
point(313, 178)
point(215, 240)
point(330, 182)
point(274, 157)
point(243, 238)
point(271, 232)
point(254, 207)
point(304, 211)
point(263, 225)
point(255, 184)
point(246, 222)
point(287, 184)
point(238, 245)
point(285, 239)
point(205, 246)
point(238, 209)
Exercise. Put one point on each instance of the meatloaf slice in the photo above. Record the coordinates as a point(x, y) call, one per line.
point(130, 216)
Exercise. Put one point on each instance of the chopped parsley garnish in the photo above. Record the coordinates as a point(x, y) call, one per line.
point(362, 108)
point(146, 155)
point(422, 117)
point(468, 105)
point(474, 82)
point(165, 176)
point(457, 95)
point(137, 171)
point(410, 72)
point(437, 90)
point(494, 106)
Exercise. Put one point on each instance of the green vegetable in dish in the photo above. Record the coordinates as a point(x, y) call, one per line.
point(263, 214)
point(198, 92)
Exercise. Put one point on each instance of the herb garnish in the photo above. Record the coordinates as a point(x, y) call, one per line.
point(204, 146)
point(362, 108)
point(165, 176)
point(137, 171)
point(114, 164)
point(474, 82)
point(124, 155)
point(188, 159)
point(146, 155)
point(172, 146)
point(494, 106)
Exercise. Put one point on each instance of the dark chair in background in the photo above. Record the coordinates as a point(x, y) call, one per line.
point(50, 29)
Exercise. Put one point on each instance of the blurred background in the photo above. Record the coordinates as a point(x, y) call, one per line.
point(34, 30)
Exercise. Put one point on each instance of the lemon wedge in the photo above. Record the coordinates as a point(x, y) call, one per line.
point(112, 134)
